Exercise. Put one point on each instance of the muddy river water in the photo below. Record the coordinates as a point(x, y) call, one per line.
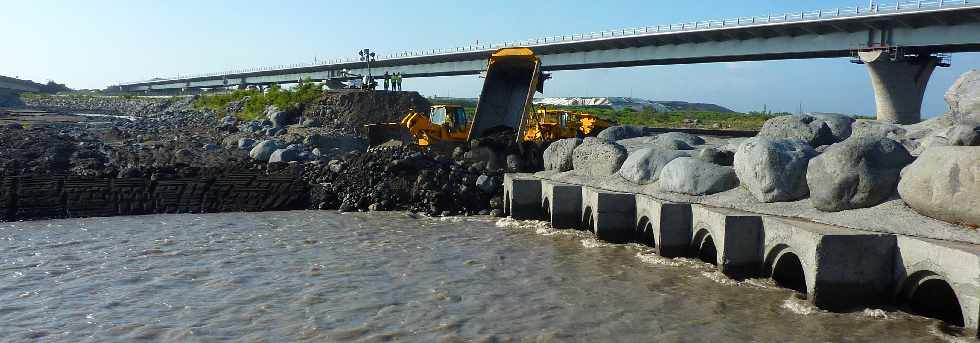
point(373, 277)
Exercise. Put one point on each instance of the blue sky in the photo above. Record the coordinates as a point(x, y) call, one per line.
point(92, 44)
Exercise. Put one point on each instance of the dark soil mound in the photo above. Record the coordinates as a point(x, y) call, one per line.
point(349, 110)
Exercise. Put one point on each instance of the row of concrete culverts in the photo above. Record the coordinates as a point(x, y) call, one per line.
point(839, 163)
point(835, 268)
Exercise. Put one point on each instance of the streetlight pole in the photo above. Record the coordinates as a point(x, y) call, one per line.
point(367, 56)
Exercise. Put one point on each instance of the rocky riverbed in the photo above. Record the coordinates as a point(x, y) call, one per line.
point(168, 138)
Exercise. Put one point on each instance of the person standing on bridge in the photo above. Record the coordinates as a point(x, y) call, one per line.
point(398, 81)
point(387, 80)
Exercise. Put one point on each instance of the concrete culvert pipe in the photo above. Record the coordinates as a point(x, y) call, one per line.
point(930, 296)
point(788, 272)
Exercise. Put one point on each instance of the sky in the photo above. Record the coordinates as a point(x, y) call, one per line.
point(94, 43)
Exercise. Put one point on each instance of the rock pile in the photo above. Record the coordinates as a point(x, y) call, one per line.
point(401, 178)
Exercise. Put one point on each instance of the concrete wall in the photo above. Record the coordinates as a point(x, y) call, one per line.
point(40, 197)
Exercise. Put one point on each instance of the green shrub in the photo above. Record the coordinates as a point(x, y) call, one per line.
point(304, 93)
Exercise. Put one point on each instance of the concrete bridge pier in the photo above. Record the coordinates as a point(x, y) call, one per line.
point(899, 83)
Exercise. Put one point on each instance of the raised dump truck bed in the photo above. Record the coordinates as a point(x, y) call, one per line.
point(513, 76)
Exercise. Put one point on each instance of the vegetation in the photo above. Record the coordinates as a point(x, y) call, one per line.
point(648, 117)
point(257, 101)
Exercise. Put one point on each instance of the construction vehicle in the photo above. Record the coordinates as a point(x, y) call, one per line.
point(505, 124)
point(445, 127)
point(548, 125)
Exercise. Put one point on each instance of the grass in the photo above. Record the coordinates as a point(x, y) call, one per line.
point(254, 107)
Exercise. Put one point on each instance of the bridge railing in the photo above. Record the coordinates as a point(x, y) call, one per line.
point(802, 16)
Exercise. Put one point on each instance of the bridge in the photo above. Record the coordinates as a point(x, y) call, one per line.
point(900, 43)
point(13, 85)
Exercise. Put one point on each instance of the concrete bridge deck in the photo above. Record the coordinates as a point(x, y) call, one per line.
point(837, 268)
point(897, 41)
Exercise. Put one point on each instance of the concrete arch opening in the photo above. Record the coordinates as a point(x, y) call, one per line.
point(506, 203)
point(588, 221)
point(546, 208)
point(706, 250)
point(930, 295)
point(787, 271)
point(645, 234)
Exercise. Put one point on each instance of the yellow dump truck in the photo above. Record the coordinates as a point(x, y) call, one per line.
point(504, 119)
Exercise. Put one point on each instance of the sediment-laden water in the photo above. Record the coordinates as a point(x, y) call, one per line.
point(369, 277)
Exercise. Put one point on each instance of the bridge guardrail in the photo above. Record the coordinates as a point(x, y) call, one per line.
point(906, 6)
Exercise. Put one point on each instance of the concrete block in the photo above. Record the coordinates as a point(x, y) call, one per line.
point(522, 196)
point(736, 236)
point(562, 204)
point(610, 215)
point(843, 269)
point(665, 224)
point(919, 260)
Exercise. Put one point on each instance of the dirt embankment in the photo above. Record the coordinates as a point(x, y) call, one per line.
point(349, 110)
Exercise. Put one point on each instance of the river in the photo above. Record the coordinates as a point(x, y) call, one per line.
point(371, 277)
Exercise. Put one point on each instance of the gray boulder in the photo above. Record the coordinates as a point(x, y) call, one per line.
point(615, 133)
point(964, 99)
point(687, 138)
point(597, 157)
point(688, 175)
point(716, 155)
point(943, 183)
point(644, 166)
point(558, 155)
point(486, 184)
point(803, 127)
point(263, 150)
point(245, 143)
point(964, 135)
point(211, 147)
point(284, 155)
point(839, 124)
point(774, 170)
point(279, 118)
point(317, 152)
point(856, 173)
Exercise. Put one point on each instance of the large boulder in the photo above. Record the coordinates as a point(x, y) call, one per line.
point(856, 173)
point(558, 155)
point(263, 150)
point(278, 117)
point(615, 133)
point(944, 183)
point(689, 175)
point(964, 99)
point(284, 155)
point(716, 155)
point(774, 170)
point(597, 157)
point(839, 124)
point(644, 166)
point(245, 143)
point(678, 141)
point(803, 127)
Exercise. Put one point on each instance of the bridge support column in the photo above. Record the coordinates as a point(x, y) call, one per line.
point(899, 82)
